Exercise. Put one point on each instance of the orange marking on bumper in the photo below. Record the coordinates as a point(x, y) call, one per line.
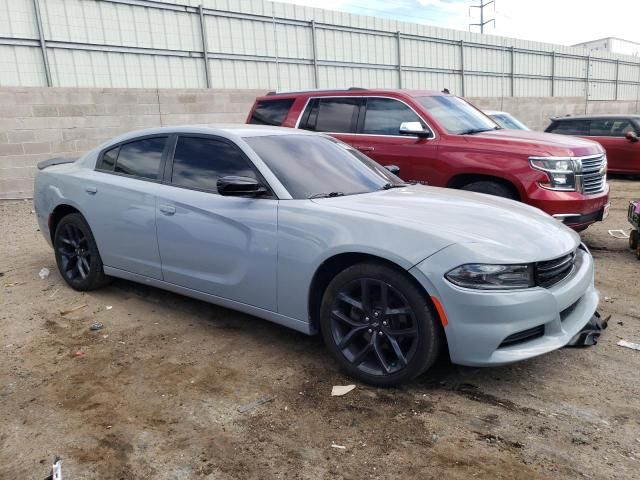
point(440, 310)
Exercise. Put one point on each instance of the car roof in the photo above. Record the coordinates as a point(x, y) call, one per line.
point(607, 116)
point(352, 91)
point(223, 130)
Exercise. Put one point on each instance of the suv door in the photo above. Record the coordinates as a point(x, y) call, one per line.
point(378, 135)
point(622, 155)
point(220, 245)
point(121, 204)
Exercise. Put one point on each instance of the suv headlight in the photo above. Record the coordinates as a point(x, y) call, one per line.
point(484, 276)
point(562, 172)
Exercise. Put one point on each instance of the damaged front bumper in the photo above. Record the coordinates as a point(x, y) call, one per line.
point(495, 328)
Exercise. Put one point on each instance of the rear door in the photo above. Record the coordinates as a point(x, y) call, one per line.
point(622, 155)
point(120, 204)
point(220, 245)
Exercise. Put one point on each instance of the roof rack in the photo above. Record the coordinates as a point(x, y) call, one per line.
point(312, 90)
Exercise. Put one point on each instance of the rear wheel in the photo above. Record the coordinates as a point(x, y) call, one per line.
point(77, 254)
point(379, 325)
point(490, 188)
point(633, 239)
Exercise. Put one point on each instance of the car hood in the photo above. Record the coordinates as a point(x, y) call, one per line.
point(509, 230)
point(536, 143)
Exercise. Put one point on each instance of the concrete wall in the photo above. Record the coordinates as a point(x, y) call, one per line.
point(40, 123)
point(535, 112)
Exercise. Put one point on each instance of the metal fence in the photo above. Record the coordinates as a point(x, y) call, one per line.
point(258, 44)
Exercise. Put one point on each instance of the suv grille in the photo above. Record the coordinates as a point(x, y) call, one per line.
point(554, 271)
point(593, 174)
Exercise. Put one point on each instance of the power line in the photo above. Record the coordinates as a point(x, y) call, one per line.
point(482, 23)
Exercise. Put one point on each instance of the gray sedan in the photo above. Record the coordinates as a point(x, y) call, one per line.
point(302, 230)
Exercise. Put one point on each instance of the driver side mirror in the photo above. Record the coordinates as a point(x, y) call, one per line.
point(234, 186)
point(414, 128)
point(631, 136)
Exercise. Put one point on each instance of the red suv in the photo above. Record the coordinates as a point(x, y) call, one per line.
point(618, 134)
point(443, 140)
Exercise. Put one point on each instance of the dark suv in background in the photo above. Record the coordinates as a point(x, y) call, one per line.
point(443, 140)
point(618, 134)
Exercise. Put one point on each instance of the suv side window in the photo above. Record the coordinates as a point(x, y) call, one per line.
point(334, 115)
point(140, 158)
point(199, 162)
point(570, 127)
point(383, 116)
point(611, 127)
point(271, 112)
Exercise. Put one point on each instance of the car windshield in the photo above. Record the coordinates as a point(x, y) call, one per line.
point(316, 166)
point(507, 121)
point(457, 116)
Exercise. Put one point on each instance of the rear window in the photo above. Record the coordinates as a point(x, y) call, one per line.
point(332, 115)
point(570, 127)
point(271, 112)
point(141, 158)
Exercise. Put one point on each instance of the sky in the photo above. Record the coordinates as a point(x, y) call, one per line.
point(565, 22)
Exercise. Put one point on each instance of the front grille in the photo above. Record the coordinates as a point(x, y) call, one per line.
point(593, 177)
point(551, 272)
point(523, 336)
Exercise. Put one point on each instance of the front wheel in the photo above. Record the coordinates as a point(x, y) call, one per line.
point(633, 239)
point(77, 254)
point(379, 325)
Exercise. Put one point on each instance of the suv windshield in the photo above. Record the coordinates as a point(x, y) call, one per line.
point(316, 166)
point(457, 116)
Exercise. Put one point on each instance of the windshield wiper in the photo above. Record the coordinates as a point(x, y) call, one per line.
point(326, 195)
point(473, 131)
point(388, 186)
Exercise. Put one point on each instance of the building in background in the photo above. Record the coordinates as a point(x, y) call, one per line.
point(612, 45)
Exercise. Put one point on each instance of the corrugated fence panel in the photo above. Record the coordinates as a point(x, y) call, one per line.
point(21, 66)
point(17, 19)
point(260, 44)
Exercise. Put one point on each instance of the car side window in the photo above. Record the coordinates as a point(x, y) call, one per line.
point(611, 127)
point(571, 127)
point(384, 115)
point(199, 162)
point(109, 158)
point(140, 158)
point(271, 112)
point(334, 115)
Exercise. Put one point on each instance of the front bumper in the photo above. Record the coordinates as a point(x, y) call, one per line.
point(479, 322)
point(573, 208)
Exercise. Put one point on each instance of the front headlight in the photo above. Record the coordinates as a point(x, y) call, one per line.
point(560, 171)
point(492, 277)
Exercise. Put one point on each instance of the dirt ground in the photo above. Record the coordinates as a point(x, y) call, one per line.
point(156, 393)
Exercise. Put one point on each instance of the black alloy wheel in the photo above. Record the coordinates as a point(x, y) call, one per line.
point(77, 255)
point(379, 325)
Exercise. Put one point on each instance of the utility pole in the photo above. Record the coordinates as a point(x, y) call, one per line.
point(482, 23)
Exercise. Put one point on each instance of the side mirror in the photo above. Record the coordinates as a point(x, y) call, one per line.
point(631, 136)
point(393, 169)
point(233, 186)
point(414, 128)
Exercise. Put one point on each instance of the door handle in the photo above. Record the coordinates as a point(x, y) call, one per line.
point(366, 149)
point(167, 209)
point(91, 190)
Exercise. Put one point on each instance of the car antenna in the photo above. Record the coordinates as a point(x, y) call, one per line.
point(446, 90)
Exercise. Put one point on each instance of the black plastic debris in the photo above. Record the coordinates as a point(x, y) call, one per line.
point(590, 334)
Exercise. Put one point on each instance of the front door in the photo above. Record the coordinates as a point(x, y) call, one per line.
point(622, 155)
point(223, 246)
point(378, 136)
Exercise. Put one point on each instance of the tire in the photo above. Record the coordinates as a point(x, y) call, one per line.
point(77, 254)
point(638, 252)
point(349, 324)
point(490, 188)
point(633, 239)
